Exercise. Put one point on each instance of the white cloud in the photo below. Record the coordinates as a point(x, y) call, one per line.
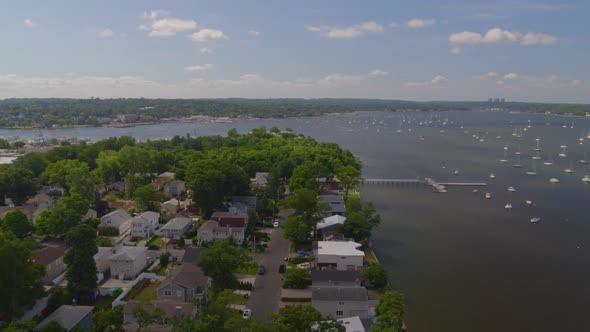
point(169, 27)
point(353, 31)
point(29, 23)
point(204, 35)
point(254, 33)
point(488, 75)
point(498, 36)
point(198, 68)
point(436, 81)
point(154, 14)
point(105, 33)
point(418, 23)
point(511, 77)
point(513, 80)
point(205, 50)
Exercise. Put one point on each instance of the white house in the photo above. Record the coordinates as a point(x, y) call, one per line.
point(128, 262)
point(343, 255)
point(176, 227)
point(119, 219)
point(340, 302)
point(352, 324)
point(145, 224)
point(170, 207)
point(212, 231)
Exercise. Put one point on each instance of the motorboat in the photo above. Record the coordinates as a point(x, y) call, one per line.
point(562, 154)
point(508, 206)
point(554, 180)
point(585, 160)
point(475, 191)
point(529, 203)
point(456, 172)
point(488, 195)
point(511, 189)
point(569, 170)
point(535, 220)
point(586, 179)
point(492, 176)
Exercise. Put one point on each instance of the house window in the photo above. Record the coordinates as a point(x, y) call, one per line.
point(340, 303)
point(167, 293)
point(339, 313)
point(179, 293)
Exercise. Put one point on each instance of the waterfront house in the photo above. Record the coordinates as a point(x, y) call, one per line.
point(231, 219)
point(341, 255)
point(211, 230)
point(334, 203)
point(70, 317)
point(186, 283)
point(52, 257)
point(119, 219)
point(331, 277)
point(145, 224)
point(176, 227)
point(128, 262)
point(170, 207)
point(341, 301)
point(330, 225)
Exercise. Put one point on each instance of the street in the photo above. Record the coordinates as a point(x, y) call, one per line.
point(266, 295)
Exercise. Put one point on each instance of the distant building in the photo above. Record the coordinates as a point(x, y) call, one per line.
point(119, 219)
point(128, 262)
point(334, 278)
point(175, 188)
point(126, 118)
point(231, 219)
point(335, 204)
point(52, 257)
point(243, 204)
point(330, 225)
point(185, 284)
point(145, 224)
point(211, 230)
point(70, 316)
point(176, 227)
point(340, 302)
point(261, 179)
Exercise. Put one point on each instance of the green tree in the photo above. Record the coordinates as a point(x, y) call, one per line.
point(390, 310)
point(109, 320)
point(145, 317)
point(359, 225)
point(308, 208)
point(376, 275)
point(296, 278)
point(81, 271)
point(20, 326)
point(74, 175)
point(33, 161)
point(299, 318)
point(63, 216)
point(58, 298)
point(17, 183)
point(219, 262)
point(305, 176)
point(164, 259)
point(108, 166)
point(53, 326)
point(349, 177)
point(295, 230)
point(17, 222)
point(148, 198)
point(330, 326)
point(19, 277)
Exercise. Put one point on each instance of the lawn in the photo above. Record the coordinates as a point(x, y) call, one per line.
point(251, 268)
point(237, 299)
point(149, 293)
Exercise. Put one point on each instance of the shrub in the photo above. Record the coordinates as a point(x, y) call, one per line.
point(296, 279)
point(164, 259)
point(108, 231)
point(296, 299)
point(104, 242)
point(245, 286)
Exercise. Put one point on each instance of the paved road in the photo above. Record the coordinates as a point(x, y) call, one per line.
point(267, 288)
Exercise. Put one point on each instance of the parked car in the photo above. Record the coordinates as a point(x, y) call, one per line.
point(153, 247)
point(275, 224)
point(301, 253)
point(246, 313)
point(261, 269)
point(282, 268)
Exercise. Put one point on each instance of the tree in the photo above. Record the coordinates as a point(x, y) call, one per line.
point(17, 222)
point(109, 320)
point(164, 259)
point(53, 326)
point(349, 177)
point(220, 261)
point(390, 310)
point(58, 298)
point(19, 277)
point(34, 161)
point(376, 275)
point(305, 176)
point(330, 326)
point(299, 318)
point(295, 230)
point(20, 326)
point(296, 278)
point(360, 224)
point(147, 198)
point(81, 271)
point(17, 183)
point(108, 166)
point(63, 216)
point(145, 318)
point(307, 207)
point(74, 175)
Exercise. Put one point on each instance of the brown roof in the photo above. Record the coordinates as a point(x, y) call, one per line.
point(167, 306)
point(187, 275)
point(48, 255)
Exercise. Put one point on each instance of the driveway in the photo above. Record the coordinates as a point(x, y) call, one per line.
point(266, 295)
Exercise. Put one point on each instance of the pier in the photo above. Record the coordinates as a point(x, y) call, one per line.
point(393, 181)
point(434, 183)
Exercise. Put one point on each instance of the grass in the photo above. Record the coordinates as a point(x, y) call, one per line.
point(160, 270)
point(369, 258)
point(149, 293)
point(158, 242)
point(237, 299)
point(251, 268)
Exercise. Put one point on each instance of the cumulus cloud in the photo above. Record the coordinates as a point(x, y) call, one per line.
point(418, 23)
point(198, 68)
point(29, 23)
point(498, 36)
point(353, 31)
point(511, 76)
point(488, 75)
point(205, 35)
point(254, 33)
point(159, 26)
point(513, 80)
point(105, 33)
point(436, 81)
point(205, 50)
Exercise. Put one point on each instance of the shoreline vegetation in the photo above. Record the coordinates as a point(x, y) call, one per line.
point(95, 112)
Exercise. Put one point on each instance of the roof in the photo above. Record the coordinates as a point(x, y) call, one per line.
point(172, 201)
point(330, 221)
point(191, 255)
point(177, 223)
point(335, 293)
point(48, 254)
point(352, 324)
point(229, 215)
point(118, 217)
point(67, 316)
point(248, 200)
point(343, 248)
point(167, 306)
point(39, 198)
point(146, 217)
point(334, 276)
point(208, 225)
point(334, 199)
point(166, 175)
point(187, 275)
point(128, 253)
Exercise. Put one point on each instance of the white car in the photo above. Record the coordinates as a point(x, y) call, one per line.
point(246, 313)
point(275, 224)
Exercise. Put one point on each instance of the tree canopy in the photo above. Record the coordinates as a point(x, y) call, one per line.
point(81, 271)
point(219, 262)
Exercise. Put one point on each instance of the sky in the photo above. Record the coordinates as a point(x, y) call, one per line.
point(521, 50)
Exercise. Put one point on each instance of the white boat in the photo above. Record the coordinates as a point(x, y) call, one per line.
point(537, 148)
point(492, 176)
point(529, 203)
point(585, 160)
point(563, 149)
point(517, 165)
point(549, 161)
point(488, 195)
point(511, 189)
point(505, 159)
point(518, 153)
point(554, 180)
point(533, 171)
point(456, 172)
point(569, 170)
point(475, 191)
point(535, 220)
point(508, 206)
point(586, 179)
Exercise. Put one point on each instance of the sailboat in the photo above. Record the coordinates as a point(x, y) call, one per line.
point(585, 160)
point(517, 165)
point(554, 180)
point(549, 161)
point(536, 157)
point(562, 154)
point(517, 151)
point(586, 179)
point(588, 134)
point(533, 171)
point(537, 148)
point(535, 220)
point(571, 169)
point(505, 159)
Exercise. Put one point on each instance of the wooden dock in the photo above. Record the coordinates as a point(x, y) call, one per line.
point(434, 183)
point(393, 181)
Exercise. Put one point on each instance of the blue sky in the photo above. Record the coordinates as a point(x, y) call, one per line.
point(416, 50)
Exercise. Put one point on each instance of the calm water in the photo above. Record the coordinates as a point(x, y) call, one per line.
point(464, 263)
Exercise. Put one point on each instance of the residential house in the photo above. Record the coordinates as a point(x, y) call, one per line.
point(128, 262)
point(119, 219)
point(52, 257)
point(116, 187)
point(103, 263)
point(170, 207)
point(173, 311)
point(175, 188)
point(244, 203)
point(335, 204)
point(176, 227)
point(186, 283)
point(53, 190)
point(342, 255)
point(166, 176)
point(231, 219)
point(211, 230)
point(352, 324)
point(330, 225)
point(334, 278)
point(340, 301)
point(261, 179)
point(91, 213)
point(70, 317)
point(145, 224)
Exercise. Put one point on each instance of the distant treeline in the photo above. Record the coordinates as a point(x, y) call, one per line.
point(93, 112)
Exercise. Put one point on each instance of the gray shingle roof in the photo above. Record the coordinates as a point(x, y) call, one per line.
point(67, 316)
point(335, 293)
point(334, 276)
point(176, 224)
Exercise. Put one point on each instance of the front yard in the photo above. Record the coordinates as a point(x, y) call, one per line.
point(149, 293)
